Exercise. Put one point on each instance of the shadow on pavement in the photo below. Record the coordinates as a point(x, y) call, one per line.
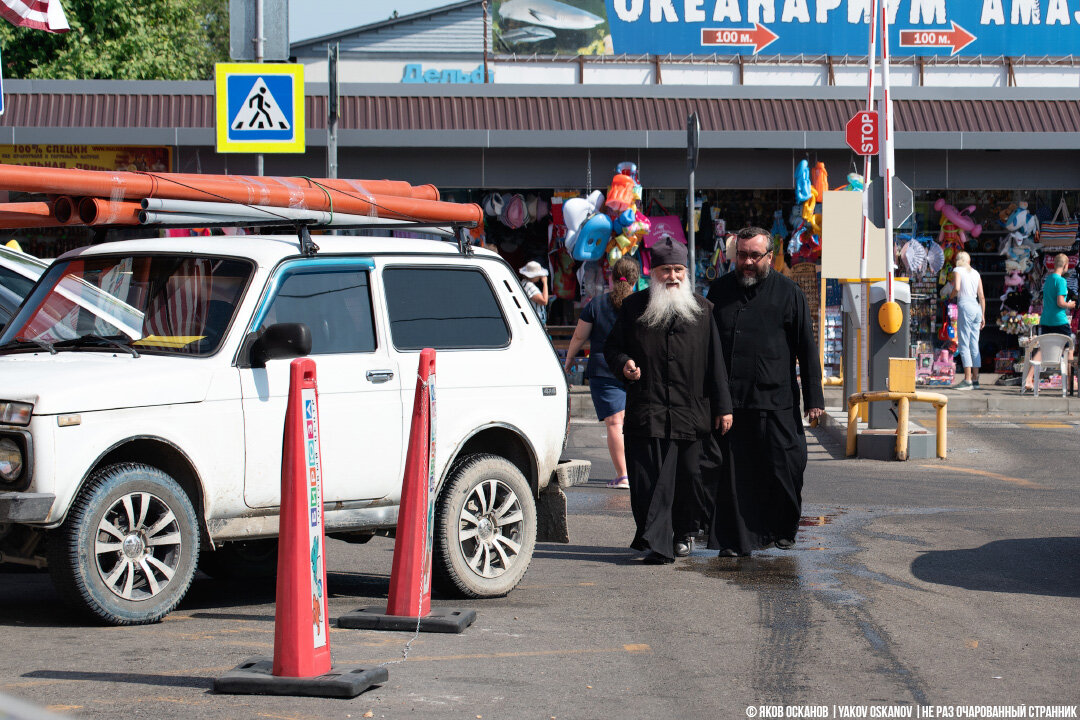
point(202, 683)
point(594, 553)
point(827, 443)
point(1030, 566)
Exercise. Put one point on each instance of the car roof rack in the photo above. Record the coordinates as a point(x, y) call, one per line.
point(100, 200)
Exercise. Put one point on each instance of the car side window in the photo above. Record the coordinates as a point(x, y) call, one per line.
point(334, 304)
point(15, 282)
point(443, 308)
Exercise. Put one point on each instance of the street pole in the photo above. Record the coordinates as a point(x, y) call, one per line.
point(870, 59)
point(693, 130)
point(484, 5)
point(332, 111)
point(259, 53)
point(887, 150)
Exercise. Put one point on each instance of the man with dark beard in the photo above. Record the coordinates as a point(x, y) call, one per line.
point(757, 470)
point(666, 346)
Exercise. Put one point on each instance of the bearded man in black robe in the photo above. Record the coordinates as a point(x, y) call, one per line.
point(756, 470)
point(665, 345)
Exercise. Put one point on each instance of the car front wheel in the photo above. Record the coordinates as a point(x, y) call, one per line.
point(127, 551)
point(485, 528)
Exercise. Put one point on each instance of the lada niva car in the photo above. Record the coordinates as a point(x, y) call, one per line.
point(143, 387)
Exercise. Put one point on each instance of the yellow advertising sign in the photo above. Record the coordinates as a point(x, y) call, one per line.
point(90, 157)
point(259, 107)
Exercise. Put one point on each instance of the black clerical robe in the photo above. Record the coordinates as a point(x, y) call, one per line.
point(756, 470)
point(669, 411)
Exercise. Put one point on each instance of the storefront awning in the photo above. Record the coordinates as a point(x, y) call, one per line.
point(182, 113)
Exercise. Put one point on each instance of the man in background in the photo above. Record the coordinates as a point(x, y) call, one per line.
point(757, 469)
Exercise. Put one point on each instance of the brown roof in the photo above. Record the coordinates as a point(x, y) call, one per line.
point(546, 113)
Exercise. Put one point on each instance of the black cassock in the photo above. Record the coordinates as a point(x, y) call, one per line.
point(756, 470)
point(669, 411)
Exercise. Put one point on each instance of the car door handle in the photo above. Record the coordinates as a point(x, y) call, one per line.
point(380, 376)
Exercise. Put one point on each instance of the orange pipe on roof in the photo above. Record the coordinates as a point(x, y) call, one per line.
point(28, 209)
point(99, 211)
point(15, 221)
point(135, 186)
point(66, 209)
point(398, 188)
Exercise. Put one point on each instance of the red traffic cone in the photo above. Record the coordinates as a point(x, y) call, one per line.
point(301, 644)
point(410, 575)
point(409, 601)
point(301, 663)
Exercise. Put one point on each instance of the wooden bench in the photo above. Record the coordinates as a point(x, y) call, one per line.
point(560, 337)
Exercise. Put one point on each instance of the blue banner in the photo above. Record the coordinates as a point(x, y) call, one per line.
point(986, 28)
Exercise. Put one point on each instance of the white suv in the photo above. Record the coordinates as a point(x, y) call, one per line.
point(142, 398)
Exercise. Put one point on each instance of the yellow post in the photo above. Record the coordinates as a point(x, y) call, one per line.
point(901, 429)
point(852, 427)
point(864, 408)
point(942, 429)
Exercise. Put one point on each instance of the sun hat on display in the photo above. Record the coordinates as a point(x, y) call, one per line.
point(543, 207)
point(492, 204)
point(514, 213)
point(533, 270)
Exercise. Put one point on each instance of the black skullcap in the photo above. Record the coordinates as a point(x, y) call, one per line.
point(668, 252)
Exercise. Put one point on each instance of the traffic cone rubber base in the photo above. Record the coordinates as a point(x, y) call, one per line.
point(255, 676)
point(439, 620)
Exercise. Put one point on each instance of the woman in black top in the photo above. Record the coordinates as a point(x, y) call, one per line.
point(608, 392)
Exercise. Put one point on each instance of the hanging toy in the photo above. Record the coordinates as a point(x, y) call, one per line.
point(1024, 224)
point(854, 182)
point(811, 218)
point(819, 181)
point(620, 195)
point(803, 189)
point(954, 224)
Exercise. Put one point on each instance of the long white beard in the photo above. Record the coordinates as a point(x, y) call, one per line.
point(666, 303)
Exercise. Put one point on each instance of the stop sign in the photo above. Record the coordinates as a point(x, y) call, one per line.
point(861, 133)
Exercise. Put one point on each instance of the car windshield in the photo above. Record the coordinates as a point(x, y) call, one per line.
point(180, 304)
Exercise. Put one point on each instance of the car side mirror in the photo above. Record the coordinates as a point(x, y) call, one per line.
point(278, 341)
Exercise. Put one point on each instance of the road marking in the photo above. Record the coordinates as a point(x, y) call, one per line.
point(1021, 482)
point(630, 648)
point(1052, 425)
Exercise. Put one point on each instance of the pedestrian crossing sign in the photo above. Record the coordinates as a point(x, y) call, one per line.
point(259, 107)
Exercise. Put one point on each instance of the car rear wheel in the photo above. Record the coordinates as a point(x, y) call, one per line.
point(485, 528)
point(127, 552)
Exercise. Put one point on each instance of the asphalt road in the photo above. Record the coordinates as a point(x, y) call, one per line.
point(927, 583)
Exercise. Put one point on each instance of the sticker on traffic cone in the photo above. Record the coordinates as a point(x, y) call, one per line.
point(301, 662)
point(409, 602)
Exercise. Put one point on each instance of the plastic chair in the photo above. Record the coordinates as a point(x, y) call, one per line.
point(1053, 349)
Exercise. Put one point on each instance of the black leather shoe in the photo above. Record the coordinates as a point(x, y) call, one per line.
point(729, 553)
point(682, 548)
point(655, 558)
point(785, 544)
